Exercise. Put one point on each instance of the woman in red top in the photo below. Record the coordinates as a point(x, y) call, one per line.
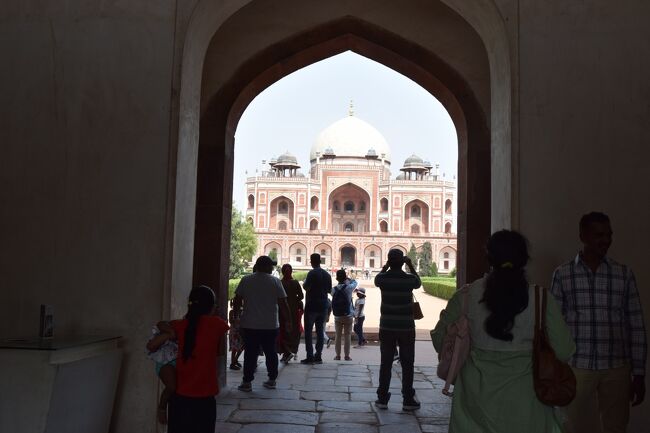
point(193, 407)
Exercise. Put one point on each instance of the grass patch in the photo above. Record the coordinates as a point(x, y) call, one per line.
point(440, 287)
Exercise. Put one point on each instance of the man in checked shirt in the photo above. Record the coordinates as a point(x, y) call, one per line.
point(601, 305)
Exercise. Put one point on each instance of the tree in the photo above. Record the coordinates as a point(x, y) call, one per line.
point(413, 255)
point(273, 254)
point(243, 243)
point(453, 272)
point(427, 267)
point(434, 269)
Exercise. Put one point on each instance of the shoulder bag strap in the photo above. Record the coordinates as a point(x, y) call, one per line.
point(536, 310)
point(465, 296)
point(542, 327)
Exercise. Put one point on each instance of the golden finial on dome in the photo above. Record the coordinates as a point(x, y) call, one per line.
point(351, 109)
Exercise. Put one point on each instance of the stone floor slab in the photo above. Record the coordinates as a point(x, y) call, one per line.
point(343, 406)
point(275, 428)
point(434, 410)
point(339, 427)
point(348, 417)
point(395, 428)
point(224, 411)
point(323, 373)
point(261, 392)
point(363, 396)
point(389, 417)
point(326, 388)
point(352, 382)
point(274, 417)
point(324, 395)
point(433, 428)
point(321, 381)
point(227, 427)
point(278, 404)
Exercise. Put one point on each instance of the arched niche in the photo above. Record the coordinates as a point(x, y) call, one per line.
point(350, 218)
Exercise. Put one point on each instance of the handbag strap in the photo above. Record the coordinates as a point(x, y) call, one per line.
point(465, 296)
point(540, 323)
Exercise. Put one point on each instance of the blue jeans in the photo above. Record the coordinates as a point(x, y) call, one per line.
point(314, 318)
point(358, 329)
point(253, 339)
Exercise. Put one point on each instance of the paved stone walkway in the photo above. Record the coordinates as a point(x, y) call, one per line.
point(328, 397)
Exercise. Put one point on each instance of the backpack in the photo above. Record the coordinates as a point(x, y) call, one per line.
point(341, 302)
point(455, 347)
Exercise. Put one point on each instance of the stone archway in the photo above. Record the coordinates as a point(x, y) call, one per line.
point(219, 109)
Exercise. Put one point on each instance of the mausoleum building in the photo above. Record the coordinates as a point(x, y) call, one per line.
point(349, 208)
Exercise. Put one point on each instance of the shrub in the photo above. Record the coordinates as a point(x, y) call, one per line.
point(232, 285)
point(300, 275)
point(439, 287)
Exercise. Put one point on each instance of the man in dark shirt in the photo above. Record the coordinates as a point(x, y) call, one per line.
point(397, 327)
point(317, 285)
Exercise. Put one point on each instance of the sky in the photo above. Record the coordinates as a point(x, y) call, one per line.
point(290, 114)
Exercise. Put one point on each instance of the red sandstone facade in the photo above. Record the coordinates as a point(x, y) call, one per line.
point(349, 210)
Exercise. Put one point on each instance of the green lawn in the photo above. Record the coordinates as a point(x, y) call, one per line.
point(440, 287)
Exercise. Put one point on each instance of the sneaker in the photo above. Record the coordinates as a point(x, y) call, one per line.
point(308, 360)
point(347, 358)
point(382, 403)
point(337, 358)
point(329, 342)
point(235, 367)
point(411, 404)
point(318, 359)
point(270, 384)
point(245, 386)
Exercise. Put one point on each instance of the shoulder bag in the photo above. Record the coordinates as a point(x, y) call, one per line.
point(455, 347)
point(554, 381)
point(417, 310)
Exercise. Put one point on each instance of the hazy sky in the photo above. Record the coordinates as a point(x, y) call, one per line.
point(290, 114)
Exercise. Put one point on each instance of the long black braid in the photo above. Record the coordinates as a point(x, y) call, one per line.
point(506, 287)
point(200, 303)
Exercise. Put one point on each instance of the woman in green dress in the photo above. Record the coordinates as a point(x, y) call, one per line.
point(494, 391)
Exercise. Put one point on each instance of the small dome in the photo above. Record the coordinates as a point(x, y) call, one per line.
point(400, 177)
point(427, 164)
point(328, 152)
point(287, 159)
point(371, 152)
point(413, 161)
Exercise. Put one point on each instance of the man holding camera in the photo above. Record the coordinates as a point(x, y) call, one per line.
point(397, 327)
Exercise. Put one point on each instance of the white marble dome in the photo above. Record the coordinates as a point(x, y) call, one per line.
point(350, 137)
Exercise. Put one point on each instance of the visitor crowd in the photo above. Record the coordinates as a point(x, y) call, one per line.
point(593, 320)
